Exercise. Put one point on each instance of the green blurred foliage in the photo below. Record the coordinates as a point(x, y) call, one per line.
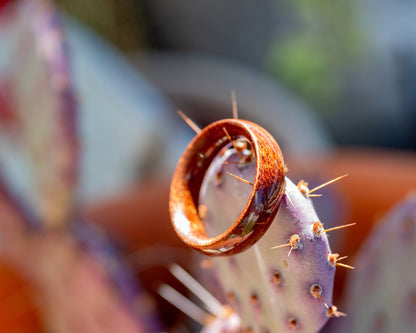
point(121, 22)
point(311, 54)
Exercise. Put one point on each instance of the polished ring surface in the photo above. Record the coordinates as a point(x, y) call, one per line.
point(264, 200)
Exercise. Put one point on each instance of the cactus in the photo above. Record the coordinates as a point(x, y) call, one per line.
point(77, 278)
point(74, 275)
point(272, 290)
point(43, 104)
point(381, 295)
point(282, 283)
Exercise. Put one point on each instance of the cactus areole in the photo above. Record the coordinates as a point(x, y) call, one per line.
point(264, 200)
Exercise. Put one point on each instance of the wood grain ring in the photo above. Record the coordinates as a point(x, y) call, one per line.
point(267, 191)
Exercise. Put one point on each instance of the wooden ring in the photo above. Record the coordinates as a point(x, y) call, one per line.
point(264, 200)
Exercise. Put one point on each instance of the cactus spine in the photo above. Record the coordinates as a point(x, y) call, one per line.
point(284, 282)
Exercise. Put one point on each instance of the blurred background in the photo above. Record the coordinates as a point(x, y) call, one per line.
point(333, 81)
point(352, 63)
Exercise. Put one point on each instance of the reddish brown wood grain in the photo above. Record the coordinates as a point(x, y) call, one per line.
point(264, 199)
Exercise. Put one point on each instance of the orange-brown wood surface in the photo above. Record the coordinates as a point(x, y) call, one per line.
point(268, 187)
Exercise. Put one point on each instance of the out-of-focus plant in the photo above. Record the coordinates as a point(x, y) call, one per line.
point(231, 201)
point(313, 50)
point(70, 268)
point(121, 22)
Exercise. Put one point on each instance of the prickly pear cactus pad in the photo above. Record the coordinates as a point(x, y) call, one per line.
point(381, 294)
point(39, 156)
point(273, 290)
point(79, 282)
point(75, 277)
point(284, 281)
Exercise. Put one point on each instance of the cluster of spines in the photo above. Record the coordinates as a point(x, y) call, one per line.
point(295, 240)
point(212, 315)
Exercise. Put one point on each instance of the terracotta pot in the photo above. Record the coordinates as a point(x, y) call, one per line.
point(18, 309)
point(138, 217)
